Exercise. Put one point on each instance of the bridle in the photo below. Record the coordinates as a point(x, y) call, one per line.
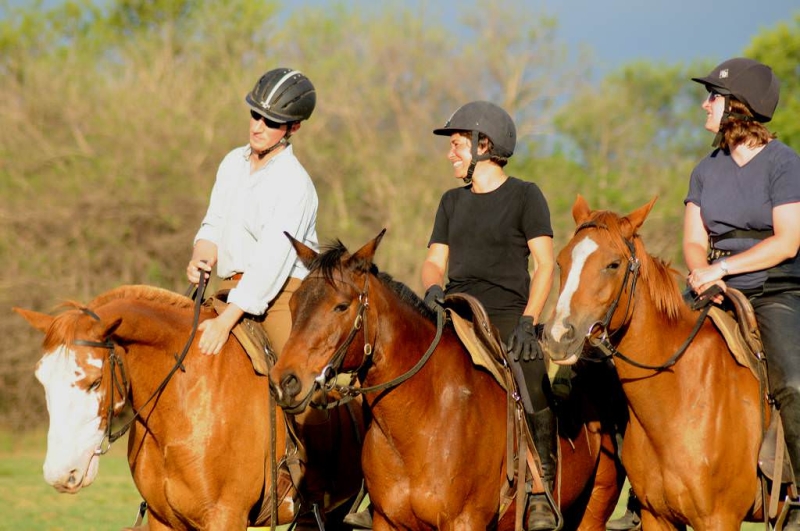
point(326, 380)
point(120, 383)
point(602, 342)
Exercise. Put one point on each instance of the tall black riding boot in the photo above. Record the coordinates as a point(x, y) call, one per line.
point(545, 438)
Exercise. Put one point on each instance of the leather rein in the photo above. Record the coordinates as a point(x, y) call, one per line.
point(120, 383)
point(326, 380)
point(603, 342)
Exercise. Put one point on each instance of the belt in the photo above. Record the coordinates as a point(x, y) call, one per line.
point(716, 254)
point(741, 233)
point(235, 276)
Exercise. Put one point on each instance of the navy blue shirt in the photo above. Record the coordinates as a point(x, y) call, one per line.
point(733, 197)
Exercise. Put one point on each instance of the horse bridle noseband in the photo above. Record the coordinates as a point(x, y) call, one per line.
point(121, 384)
point(603, 342)
point(326, 380)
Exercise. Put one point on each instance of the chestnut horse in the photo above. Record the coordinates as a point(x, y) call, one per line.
point(199, 445)
point(695, 415)
point(434, 456)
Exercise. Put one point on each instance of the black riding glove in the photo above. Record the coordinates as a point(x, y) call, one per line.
point(434, 297)
point(523, 343)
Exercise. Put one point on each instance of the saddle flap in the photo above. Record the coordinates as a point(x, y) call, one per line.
point(250, 334)
point(732, 333)
point(481, 339)
point(746, 317)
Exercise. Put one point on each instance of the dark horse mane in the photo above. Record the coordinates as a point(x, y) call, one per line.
point(64, 327)
point(658, 275)
point(331, 259)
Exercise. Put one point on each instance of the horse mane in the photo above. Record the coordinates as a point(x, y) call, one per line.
point(63, 329)
point(331, 260)
point(659, 276)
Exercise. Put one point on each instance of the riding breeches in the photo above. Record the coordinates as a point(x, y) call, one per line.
point(778, 317)
point(537, 382)
point(277, 321)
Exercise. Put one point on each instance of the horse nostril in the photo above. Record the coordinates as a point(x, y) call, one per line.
point(569, 333)
point(290, 385)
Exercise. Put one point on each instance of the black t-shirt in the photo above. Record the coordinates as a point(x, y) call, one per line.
point(487, 235)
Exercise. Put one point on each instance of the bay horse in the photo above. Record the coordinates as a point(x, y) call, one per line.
point(199, 445)
point(695, 416)
point(435, 453)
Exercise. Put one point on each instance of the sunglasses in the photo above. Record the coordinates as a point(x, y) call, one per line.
point(269, 123)
point(713, 95)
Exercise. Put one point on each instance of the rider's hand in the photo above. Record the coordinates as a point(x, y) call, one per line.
point(434, 297)
point(523, 344)
point(194, 268)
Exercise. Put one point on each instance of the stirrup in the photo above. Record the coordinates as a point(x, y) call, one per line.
point(629, 521)
point(359, 520)
point(790, 507)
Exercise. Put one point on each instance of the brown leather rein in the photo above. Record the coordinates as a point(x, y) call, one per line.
point(121, 383)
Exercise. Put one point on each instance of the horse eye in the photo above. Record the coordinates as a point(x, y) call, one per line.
point(613, 265)
point(95, 385)
point(341, 307)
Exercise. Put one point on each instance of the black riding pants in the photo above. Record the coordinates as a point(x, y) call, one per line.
point(778, 316)
point(535, 371)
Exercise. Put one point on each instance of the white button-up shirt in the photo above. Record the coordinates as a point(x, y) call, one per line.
point(246, 219)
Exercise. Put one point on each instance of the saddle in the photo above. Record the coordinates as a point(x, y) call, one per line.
point(482, 340)
point(248, 332)
point(739, 328)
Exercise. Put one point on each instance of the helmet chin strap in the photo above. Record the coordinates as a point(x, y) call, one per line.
point(475, 157)
point(284, 141)
point(727, 114)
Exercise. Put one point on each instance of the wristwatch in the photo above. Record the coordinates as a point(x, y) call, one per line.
point(723, 264)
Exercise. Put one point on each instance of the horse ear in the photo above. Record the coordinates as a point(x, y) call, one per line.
point(304, 252)
point(580, 210)
point(637, 217)
point(106, 330)
point(40, 321)
point(362, 259)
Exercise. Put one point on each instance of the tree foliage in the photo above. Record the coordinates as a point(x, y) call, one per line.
point(114, 116)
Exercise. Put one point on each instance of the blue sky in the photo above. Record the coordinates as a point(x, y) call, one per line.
point(620, 31)
point(669, 31)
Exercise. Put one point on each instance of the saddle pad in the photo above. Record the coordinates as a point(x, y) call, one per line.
point(478, 351)
point(730, 330)
point(250, 335)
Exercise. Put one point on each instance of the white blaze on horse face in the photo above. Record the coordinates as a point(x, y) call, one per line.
point(74, 431)
point(580, 253)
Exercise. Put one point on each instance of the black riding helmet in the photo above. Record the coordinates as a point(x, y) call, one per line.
point(747, 80)
point(283, 95)
point(487, 118)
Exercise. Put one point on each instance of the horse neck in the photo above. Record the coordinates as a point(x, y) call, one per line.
point(151, 335)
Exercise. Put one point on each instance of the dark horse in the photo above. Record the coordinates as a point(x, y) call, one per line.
point(691, 446)
point(200, 447)
point(435, 453)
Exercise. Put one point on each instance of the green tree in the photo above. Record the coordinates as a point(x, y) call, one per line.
point(779, 47)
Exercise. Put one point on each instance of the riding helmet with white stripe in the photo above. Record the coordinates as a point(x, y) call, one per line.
point(283, 95)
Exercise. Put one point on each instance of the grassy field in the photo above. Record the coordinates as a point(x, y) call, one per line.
point(30, 504)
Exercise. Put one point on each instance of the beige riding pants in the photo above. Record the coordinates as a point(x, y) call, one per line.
point(278, 319)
